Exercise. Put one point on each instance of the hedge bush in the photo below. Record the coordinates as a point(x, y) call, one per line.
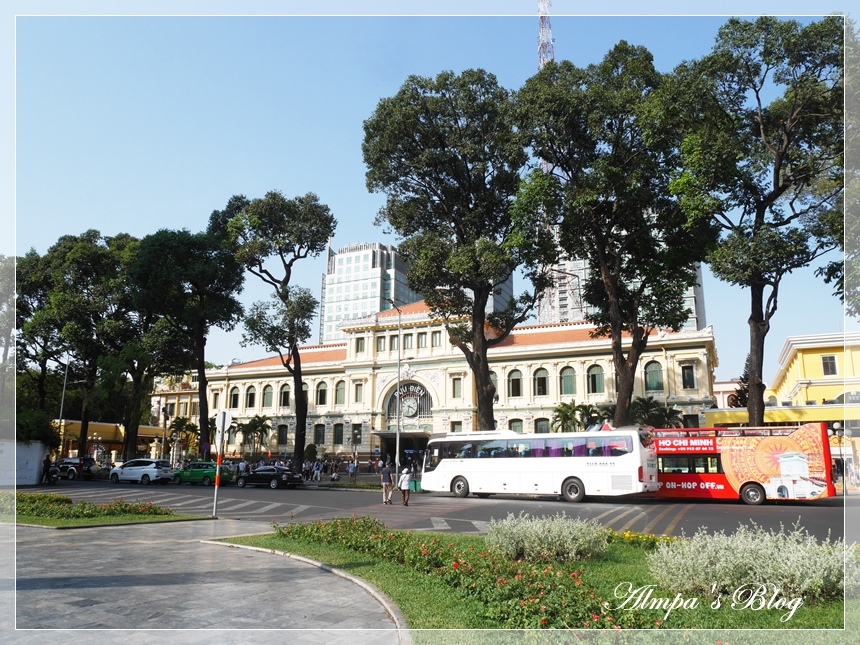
point(792, 561)
point(546, 539)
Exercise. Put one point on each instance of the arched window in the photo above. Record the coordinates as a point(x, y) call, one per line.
point(567, 381)
point(495, 381)
point(282, 435)
point(322, 394)
point(515, 384)
point(595, 379)
point(234, 397)
point(305, 391)
point(516, 425)
point(653, 377)
point(541, 425)
point(267, 396)
point(285, 396)
point(338, 434)
point(541, 382)
point(340, 393)
point(250, 397)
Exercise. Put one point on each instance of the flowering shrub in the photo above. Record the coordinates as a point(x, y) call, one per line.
point(517, 594)
point(7, 502)
point(546, 539)
point(61, 507)
point(792, 561)
point(644, 540)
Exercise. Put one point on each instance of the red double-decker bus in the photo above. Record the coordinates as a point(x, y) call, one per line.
point(751, 464)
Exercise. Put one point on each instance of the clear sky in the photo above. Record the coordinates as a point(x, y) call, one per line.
point(132, 123)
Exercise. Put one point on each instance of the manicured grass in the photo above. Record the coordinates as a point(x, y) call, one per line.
point(103, 521)
point(429, 602)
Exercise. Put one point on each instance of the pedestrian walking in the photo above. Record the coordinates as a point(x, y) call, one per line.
point(403, 484)
point(352, 478)
point(46, 469)
point(387, 477)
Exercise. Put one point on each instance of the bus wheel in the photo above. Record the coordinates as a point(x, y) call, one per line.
point(752, 494)
point(460, 487)
point(573, 490)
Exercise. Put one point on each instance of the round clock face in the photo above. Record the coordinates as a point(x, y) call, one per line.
point(410, 407)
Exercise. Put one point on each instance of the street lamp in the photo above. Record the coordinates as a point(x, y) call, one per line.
point(399, 339)
point(837, 430)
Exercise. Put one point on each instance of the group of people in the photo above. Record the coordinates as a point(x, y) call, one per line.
point(387, 475)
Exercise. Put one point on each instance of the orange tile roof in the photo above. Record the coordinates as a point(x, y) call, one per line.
point(310, 354)
point(419, 307)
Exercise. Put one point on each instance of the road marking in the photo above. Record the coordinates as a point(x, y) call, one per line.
point(677, 519)
point(650, 526)
point(439, 524)
point(482, 527)
point(617, 517)
point(632, 522)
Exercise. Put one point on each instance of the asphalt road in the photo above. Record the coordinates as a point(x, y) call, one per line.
point(825, 519)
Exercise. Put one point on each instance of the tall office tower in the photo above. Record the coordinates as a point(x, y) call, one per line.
point(361, 277)
point(358, 281)
point(564, 303)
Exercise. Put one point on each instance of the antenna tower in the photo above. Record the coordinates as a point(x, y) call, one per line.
point(545, 41)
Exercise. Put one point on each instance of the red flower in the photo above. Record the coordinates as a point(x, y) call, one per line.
point(543, 621)
point(456, 565)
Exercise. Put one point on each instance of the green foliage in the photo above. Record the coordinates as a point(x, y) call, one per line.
point(609, 157)
point(515, 595)
point(61, 507)
point(35, 425)
point(761, 128)
point(647, 411)
point(311, 452)
point(446, 153)
point(546, 539)
point(792, 561)
point(565, 419)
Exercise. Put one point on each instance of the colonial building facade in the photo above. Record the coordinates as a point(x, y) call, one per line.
point(354, 387)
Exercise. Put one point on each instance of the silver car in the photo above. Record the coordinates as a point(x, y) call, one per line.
point(144, 471)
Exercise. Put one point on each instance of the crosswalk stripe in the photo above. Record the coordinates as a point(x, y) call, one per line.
point(439, 524)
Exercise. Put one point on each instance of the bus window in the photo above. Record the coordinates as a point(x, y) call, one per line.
point(555, 448)
point(532, 448)
point(620, 446)
point(673, 465)
point(491, 448)
point(707, 464)
point(579, 448)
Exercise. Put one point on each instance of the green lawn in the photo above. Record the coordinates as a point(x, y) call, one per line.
point(429, 602)
point(102, 521)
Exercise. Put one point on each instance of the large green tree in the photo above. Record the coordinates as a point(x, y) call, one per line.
point(447, 155)
point(608, 163)
point(193, 280)
point(269, 236)
point(762, 155)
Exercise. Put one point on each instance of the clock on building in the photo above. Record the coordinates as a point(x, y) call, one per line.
point(410, 407)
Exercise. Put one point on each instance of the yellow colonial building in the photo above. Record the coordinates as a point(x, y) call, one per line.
point(352, 386)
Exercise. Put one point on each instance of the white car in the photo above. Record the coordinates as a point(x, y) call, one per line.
point(144, 471)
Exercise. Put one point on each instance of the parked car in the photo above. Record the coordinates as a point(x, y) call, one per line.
point(69, 467)
point(272, 476)
point(144, 471)
point(201, 472)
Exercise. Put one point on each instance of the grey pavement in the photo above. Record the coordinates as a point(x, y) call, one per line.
point(171, 577)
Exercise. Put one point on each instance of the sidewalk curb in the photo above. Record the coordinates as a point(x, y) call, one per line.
point(400, 622)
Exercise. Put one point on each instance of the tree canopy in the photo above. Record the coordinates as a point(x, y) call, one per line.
point(761, 119)
point(608, 158)
point(447, 155)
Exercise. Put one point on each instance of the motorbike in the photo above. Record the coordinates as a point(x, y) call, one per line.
point(53, 474)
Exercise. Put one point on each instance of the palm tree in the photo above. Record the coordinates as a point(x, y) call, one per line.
point(256, 429)
point(588, 414)
point(564, 418)
point(653, 413)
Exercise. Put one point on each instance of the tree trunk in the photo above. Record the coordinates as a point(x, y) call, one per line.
point(301, 408)
point(759, 327)
point(202, 398)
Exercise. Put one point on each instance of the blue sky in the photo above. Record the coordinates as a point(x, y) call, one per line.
point(136, 123)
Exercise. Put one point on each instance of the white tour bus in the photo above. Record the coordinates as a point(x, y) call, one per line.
point(571, 464)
